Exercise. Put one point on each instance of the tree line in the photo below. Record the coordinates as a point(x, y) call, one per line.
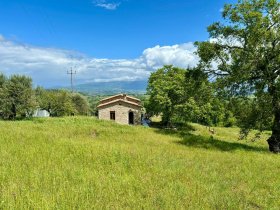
point(18, 99)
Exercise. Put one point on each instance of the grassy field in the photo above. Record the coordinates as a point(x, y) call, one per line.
point(83, 163)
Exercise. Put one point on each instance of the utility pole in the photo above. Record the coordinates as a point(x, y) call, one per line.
point(71, 72)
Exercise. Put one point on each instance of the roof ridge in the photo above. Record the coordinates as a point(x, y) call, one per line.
point(122, 100)
point(122, 94)
point(111, 97)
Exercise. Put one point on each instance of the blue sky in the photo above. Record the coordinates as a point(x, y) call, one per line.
point(103, 39)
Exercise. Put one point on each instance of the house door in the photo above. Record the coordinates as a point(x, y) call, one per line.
point(131, 118)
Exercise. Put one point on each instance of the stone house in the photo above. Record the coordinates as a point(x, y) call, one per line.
point(121, 108)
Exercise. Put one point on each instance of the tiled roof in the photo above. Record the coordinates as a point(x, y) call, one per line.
point(119, 95)
point(118, 100)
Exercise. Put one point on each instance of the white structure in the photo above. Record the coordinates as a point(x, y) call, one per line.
point(41, 113)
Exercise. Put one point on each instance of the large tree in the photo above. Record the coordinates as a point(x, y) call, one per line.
point(182, 95)
point(243, 54)
point(81, 104)
point(62, 102)
point(17, 97)
point(57, 102)
point(166, 90)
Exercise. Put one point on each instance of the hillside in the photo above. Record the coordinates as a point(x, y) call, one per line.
point(83, 163)
point(110, 88)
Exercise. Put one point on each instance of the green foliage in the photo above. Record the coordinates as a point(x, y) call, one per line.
point(62, 103)
point(17, 97)
point(202, 105)
point(81, 104)
point(182, 95)
point(2, 79)
point(93, 103)
point(43, 98)
point(244, 51)
point(252, 113)
point(166, 90)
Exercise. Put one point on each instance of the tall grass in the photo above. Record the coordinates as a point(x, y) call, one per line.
point(83, 163)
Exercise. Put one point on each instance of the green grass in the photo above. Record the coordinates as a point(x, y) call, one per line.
point(83, 163)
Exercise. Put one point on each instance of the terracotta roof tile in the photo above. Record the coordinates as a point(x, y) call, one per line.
point(119, 96)
point(118, 100)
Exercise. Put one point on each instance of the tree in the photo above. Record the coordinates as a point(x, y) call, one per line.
point(62, 102)
point(244, 54)
point(17, 97)
point(185, 95)
point(43, 98)
point(81, 104)
point(58, 103)
point(166, 90)
point(2, 80)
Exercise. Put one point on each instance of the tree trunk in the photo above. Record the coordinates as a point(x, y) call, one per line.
point(166, 117)
point(274, 140)
point(14, 111)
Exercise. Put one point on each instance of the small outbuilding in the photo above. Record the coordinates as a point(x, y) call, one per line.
point(41, 113)
point(121, 108)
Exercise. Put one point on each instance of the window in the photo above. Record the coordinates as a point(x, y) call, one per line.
point(112, 115)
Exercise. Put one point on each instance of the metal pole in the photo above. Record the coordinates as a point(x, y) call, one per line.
point(71, 72)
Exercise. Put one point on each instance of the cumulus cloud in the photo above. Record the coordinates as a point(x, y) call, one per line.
point(107, 5)
point(178, 55)
point(48, 66)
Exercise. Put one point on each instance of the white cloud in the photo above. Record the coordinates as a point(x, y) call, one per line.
point(177, 55)
point(110, 6)
point(48, 66)
point(107, 5)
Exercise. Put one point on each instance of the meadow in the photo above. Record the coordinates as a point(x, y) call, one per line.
point(84, 163)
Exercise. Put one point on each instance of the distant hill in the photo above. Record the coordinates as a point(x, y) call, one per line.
point(136, 87)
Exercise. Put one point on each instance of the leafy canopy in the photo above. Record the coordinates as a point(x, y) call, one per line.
point(244, 50)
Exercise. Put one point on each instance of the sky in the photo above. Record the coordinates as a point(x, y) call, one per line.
point(103, 40)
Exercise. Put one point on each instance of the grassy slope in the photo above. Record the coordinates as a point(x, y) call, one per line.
point(62, 164)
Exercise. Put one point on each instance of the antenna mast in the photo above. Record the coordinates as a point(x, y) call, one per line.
point(71, 72)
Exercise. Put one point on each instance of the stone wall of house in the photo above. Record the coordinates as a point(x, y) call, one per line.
point(121, 112)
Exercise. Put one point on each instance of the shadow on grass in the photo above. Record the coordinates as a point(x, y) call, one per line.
point(210, 143)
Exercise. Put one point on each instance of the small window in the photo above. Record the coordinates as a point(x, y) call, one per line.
point(112, 115)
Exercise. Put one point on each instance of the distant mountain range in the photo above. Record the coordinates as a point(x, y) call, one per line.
point(107, 88)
